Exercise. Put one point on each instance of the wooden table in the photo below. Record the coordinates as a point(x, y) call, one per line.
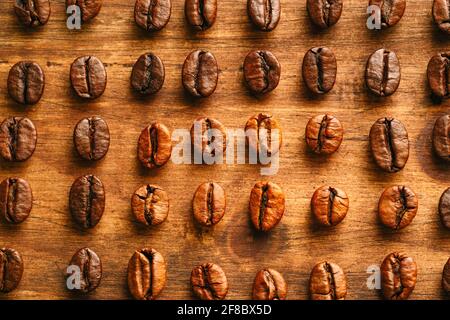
point(49, 237)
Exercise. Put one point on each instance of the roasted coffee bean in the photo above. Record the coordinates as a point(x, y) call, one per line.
point(397, 207)
point(150, 205)
point(90, 267)
point(264, 134)
point(441, 15)
point(152, 15)
point(91, 138)
point(87, 201)
point(88, 77)
point(446, 277)
point(209, 282)
point(391, 11)
point(89, 9)
point(265, 14)
point(18, 139)
point(269, 284)
point(329, 205)
point(154, 146)
point(324, 13)
point(266, 206)
point(383, 73)
point(261, 71)
point(147, 274)
point(324, 134)
point(389, 144)
point(32, 13)
point(441, 137)
point(16, 200)
point(148, 74)
point(11, 269)
point(201, 14)
point(200, 73)
point(439, 75)
point(327, 282)
point(444, 208)
point(26, 82)
point(319, 70)
point(398, 276)
point(209, 203)
point(208, 136)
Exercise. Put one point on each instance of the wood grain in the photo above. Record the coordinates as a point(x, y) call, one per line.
point(49, 237)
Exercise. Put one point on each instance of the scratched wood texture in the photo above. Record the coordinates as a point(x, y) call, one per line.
point(49, 237)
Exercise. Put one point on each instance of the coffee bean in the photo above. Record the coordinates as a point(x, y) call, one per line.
point(327, 282)
point(201, 14)
point(446, 277)
point(398, 276)
point(154, 146)
point(148, 74)
point(319, 70)
point(18, 139)
point(324, 13)
point(91, 138)
point(441, 15)
point(266, 206)
point(152, 15)
point(209, 282)
point(147, 274)
point(150, 205)
point(269, 284)
point(261, 130)
point(397, 207)
point(208, 136)
point(391, 11)
point(444, 208)
point(389, 144)
point(26, 82)
point(329, 205)
point(324, 134)
point(16, 200)
point(200, 73)
point(87, 201)
point(265, 14)
point(88, 77)
point(441, 137)
point(209, 204)
point(32, 13)
point(261, 71)
point(439, 75)
point(383, 73)
point(89, 9)
point(11, 269)
point(90, 267)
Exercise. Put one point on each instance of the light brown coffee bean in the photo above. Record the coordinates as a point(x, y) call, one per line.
point(150, 205)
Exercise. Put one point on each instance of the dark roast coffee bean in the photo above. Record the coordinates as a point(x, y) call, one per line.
point(444, 208)
point(261, 130)
point(261, 71)
point(324, 13)
point(209, 282)
point(26, 82)
point(397, 207)
point(148, 74)
point(327, 282)
point(324, 134)
point(152, 15)
point(269, 284)
point(319, 70)
point(11, 269)
point(87, 201)
point(209, 204)
point(205, 134)
point(16, 200)
point(441, 137)
point(88, 77)
point(265, 14)
point(150, 205)
point(154, 146)
point(383, 73)
point(446, 277)
point(32, 13)
point(90, 267)
point(441, 15)
point(439, 75)
point(398, 276)
point(89, 8)
point(91, 138)
point(200, 73)
point(266, 206)
point(329, 205)
point(201, 14)
point(389, 144)
point(18, 139)
point(147, 274)
point(391, 11)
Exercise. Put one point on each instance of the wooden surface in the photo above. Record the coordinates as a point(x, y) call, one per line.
point(49, 237)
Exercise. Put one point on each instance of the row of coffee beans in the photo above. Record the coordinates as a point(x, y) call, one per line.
point(147, 276)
